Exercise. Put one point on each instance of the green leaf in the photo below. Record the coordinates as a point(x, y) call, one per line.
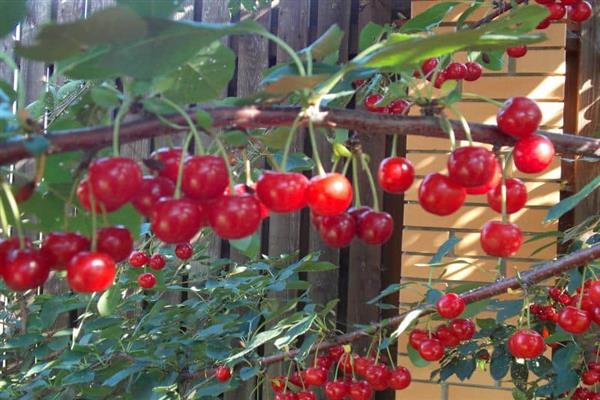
point(406, 322)
point(519, 395)
point(317, 266)
point(300, 328)
point(394, 287)
point(203, 119)
point(122, 374)
point(540, 366)
point(569, 203)
point(565, 381)
point(369, 35)
point(475, 308)
point(563, 358)
point(296, 162)
point(500, 362)
point(36, 145)
point(465, 368)
point(444, 249)
point(105, 97)
point(328, 43)
point(78, 377)
point(13, 11)
point(152, 8)
point(247, 373)
point(235, 138)
point(429, 19)
point(248, 246)
point(415, 358)
point(289, 83)
point(109, 300)
point(275, 139)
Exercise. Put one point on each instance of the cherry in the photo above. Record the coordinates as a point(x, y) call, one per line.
point(447, 336)
point(594, 291)
point(346, 364)
point(296, 378)
point(519, 117)
point(223, 373)
point(517, 51)
point(398, 107)
point(116, 241)
point(416, 337)
point(235, 217)
point(526, 343)
point(440, 78)
point(439, 195)
point(286, 396)
point(336, 390)
point(431, 349)
point(60, 247)
point(83, 195)
point(580, 11)
point(474, 71)
point(138, 259)
point(91, 271)
point(378, 376)
point(516, 196)
point(147, 280)
point(243, 189)
point(282, 191)
point(324, 362)
point(533, 154)
point(151, 190)
point(157, 261)
point(464, 329)
point(574, 320)
point(471, 166)
point(371, 102)
point(184, 251)
point(544, 24)
point(557, 11)
point(483, 189)
point(428, 66)
point(204, 177)
point(115, 180)
point(544, 1)
point(336, 352)
point(175, 220)
point(25, 269)
point(360, 390)
point(8, 245)
point(306, 395)
point(450, 305)
point(356, 212)
point(395, 174)
point(316, 376)
point(375, 227)
point(400, 378)
point(168, 158)
point(278, 384)
point(337, 230)
point(456, 71)
point(590, 378)
point(361, 364)
point(329, 194)
point(500, 239)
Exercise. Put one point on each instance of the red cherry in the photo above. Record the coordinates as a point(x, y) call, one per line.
point(184, 251)
point(569, 2)
point(519, 117)
point(500, 239)
point(157, 261)
point(557, 11)
point(526, 343)
point(345, 363)
point(371, 102)
point(400, 378)
point(235, 217)
point(316, 376)
point(356, 212)
point(306, 395)
point(316, 220)
point(428, 66)
point(431, 350)
point(474, 71)
point(25, 269)
point(516, 196)
point(416, 337)
point(282, 191)
point(324, 362)
point(579, 12)
point(375, 227)
point(594, 290)
point(544, 24)
point(330, 194)
point(336, 352)
point(517, 51)
point(116, 241)
point(91, 271)
point(533, 154)
point(464, 329)
point(83, 195)
point(337, 230)
point(286, 396)
point(336, 390)
point(296, 379)
point(361, 364)
point(594, 366)
point(574, 320)
point(590, 378)
point(115, 180)
point(60, 247)
point(439, 195)
point(223, 373)
point(544, 1)
point(147, 280)
point(456, 71)
point(450, 305)
point(168, 160)
point(278, 384)
point(138, 259)
point(360, 390)
point(204, 177)
point(471, 166)
point(243, 189)
point(8, 245)
point(395, 174)
point(447, 336)
point(151, 190)
point(398, 107)
point(483, 189)
point(378, 376)
point(440, 78)
point(175, 220)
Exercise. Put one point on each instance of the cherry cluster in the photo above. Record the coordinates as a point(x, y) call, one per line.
point(585, 394)
point(575, 10)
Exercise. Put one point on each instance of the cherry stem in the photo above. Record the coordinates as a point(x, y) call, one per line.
point(346, 166)
point(247, 168)
point(186, 144)
point(188, 120)
point(94, 217)
point(281, 43)
point(484, 98)
point(367, 170)
point(447, 126)
point(14, 207)
point(4, 219)
point(123, 109)
point(583, 274)
point(335, 164)
point(69, 204)
point(315, 150)
point(503, 189)
point(463, 121)
point(288, 142)
point(394, 146)
point(391, 360)
point(357, 202)
point(227, 163)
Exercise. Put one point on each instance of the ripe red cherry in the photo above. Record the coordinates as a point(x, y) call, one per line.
point(440, 78)
point(138, 259)
point(464, 329)
point(329, 194)
point(416, 337)
point(378, 376)
point(337, 230)
point(286, 396)
point(116, 241)
point(428, 66)
point(516, 196)
point(147, 280)
point(361, 364)
point(91, 271)
point(306, 395)
point(184, 251)
point(324, 362)
point(533, 154)
point(204, 177)
point(456, 71)
point(83, 195)
point(557, 11)
point(336, 390)
point(315, 376)
point(375, 227)
point(439, 195)
point(223, 373)
point(157, 261)
point(175, 220)
point(580, 11)
point(168, 160)
point(151, 190)
point(526, 343)
point(115, 180)
point(519, 117)
point(25, 269)
point(360, 390)
point(594, 291)
point(371, 102)
point(450, 305)
point(282, 191)
point(336, 352)
point(447, 336)
point(398, 107)
point(431, 350)
point(544, 1)
point(544, 24)
point(483, 189)
point(278, 383)
point(500, 239)
point(471, 166)
point(517, 51)
point(60, 247)
point(590, 378)
point(574, 320)
point(400, 378)
point(235, 217)
point(474, 71)
point(8, 245)
point(243, 189)
point(395, 174)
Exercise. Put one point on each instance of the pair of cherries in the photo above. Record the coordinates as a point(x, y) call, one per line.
point(575, 10)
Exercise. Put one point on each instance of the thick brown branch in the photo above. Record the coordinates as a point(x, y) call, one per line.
point(262, 117)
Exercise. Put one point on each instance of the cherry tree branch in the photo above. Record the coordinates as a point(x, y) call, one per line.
point(501, 9)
